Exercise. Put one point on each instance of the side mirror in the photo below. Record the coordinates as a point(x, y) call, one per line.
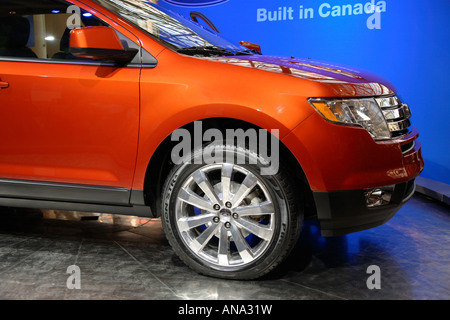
point(99, 43)
point(251, 46)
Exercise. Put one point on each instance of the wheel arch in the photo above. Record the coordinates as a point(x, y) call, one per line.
point(160, 163)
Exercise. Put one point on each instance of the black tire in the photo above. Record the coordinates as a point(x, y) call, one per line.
point(223, 246)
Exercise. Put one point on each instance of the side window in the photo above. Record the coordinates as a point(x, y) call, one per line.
point(41, 29)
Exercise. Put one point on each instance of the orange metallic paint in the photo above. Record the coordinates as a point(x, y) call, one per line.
point(73, 123)
point(174, 97)
point(336, 157)
point(101, 125)
point(251, 46)
point(95, 37)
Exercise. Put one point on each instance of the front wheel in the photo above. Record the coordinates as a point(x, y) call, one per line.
point(229, 221)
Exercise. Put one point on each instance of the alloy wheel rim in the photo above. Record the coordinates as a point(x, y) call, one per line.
point(225, 215)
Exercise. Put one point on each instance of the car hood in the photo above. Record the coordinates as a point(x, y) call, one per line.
point(344, 80)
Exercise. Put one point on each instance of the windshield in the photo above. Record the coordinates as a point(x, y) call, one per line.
point(173, 30)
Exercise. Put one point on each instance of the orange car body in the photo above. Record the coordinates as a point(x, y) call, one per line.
point(100, 127)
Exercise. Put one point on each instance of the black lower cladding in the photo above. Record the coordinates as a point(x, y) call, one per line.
point(73, 197)
point(343, 212)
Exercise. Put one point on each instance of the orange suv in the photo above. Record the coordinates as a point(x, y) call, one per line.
point(125, 107)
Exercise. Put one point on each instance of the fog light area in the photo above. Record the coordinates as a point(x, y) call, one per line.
point(379, 196)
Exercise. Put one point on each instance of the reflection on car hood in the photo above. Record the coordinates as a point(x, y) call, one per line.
point(318, 71)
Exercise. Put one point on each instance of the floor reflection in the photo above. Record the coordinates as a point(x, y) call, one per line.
point(127, 257)
point(130, 221)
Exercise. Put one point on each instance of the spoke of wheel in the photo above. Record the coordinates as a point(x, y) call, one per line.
point(227, 171)
point(204, 184)
point(261, 231)
point(246, 186)
point(222, 250)
point(202, 240)
point(241, 244)
point(187, 223)
point(195, 200)
point(264, 208)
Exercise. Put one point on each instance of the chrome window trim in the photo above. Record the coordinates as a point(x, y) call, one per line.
point(82, 63)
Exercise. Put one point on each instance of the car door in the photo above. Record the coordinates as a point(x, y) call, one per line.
point(65, 124)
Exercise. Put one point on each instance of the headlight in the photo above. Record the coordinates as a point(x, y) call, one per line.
point(363, 112)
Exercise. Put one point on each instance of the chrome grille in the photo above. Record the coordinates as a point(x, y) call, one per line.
point(396, 114)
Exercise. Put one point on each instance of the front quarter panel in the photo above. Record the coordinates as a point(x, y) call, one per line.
point(184, 89)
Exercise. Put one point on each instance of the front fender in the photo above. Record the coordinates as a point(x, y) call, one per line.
point(153, 133)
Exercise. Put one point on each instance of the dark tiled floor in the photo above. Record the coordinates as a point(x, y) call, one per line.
point(129, 258)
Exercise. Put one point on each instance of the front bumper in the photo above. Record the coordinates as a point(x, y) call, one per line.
point(342, 163)
point(339, 158)
point(343, 212)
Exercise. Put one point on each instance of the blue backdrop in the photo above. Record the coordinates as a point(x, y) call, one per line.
point(407, 41)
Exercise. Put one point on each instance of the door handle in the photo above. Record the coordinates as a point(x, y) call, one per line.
point(4, 84)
